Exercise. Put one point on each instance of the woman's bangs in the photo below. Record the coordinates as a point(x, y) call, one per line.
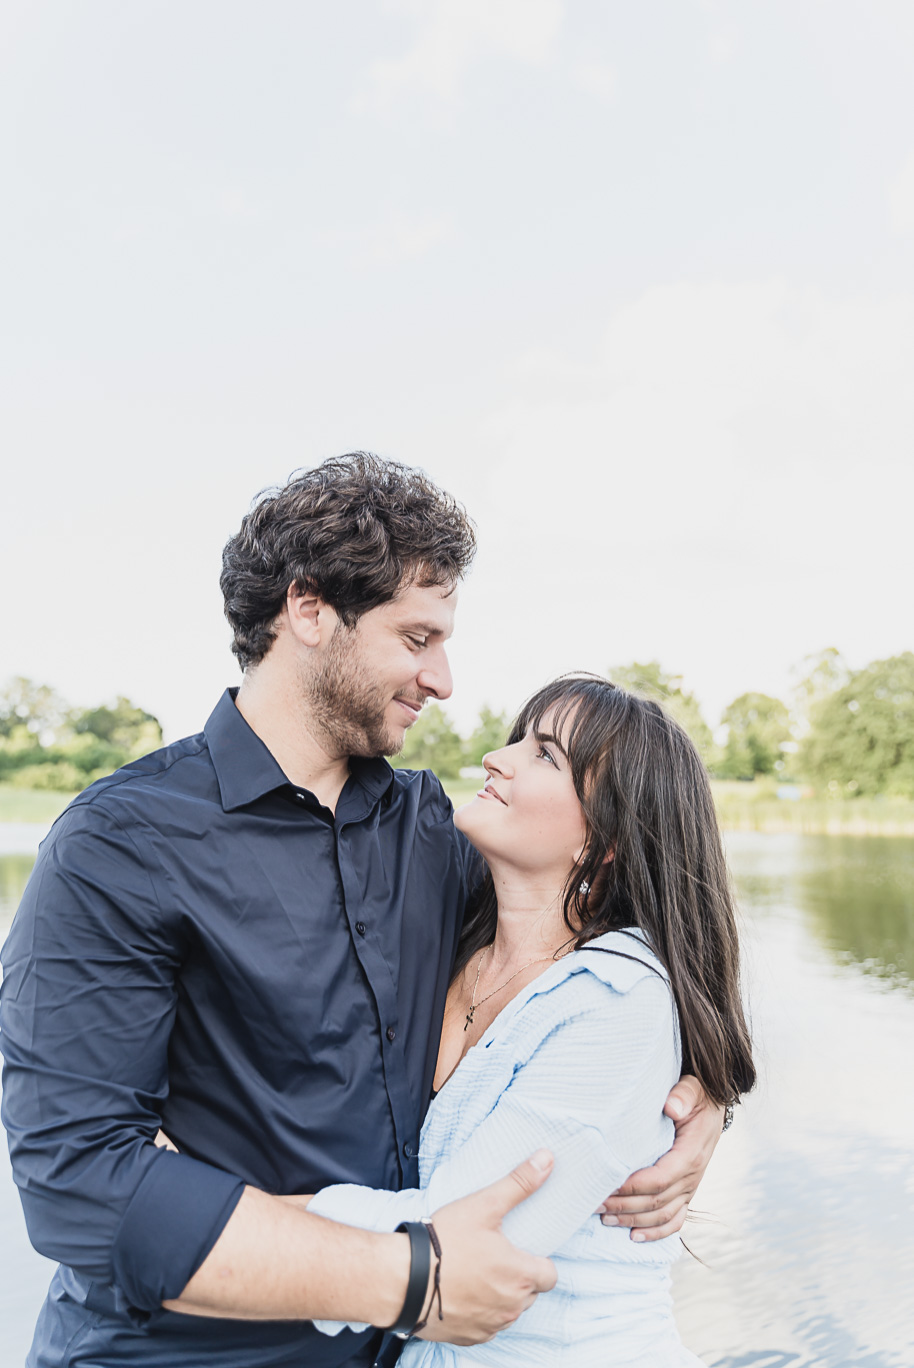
point(579, 712)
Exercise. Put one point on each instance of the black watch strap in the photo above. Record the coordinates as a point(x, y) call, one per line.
point(420, 1263)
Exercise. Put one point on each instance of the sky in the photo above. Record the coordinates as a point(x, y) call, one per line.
point(634, 281)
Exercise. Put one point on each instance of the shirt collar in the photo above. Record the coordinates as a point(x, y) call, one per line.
point(246, 769)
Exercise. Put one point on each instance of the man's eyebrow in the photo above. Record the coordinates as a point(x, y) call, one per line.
point(421, 629)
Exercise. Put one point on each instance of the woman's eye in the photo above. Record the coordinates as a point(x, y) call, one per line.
point(542, 752)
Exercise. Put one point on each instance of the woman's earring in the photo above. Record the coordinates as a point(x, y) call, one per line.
point(584, 888)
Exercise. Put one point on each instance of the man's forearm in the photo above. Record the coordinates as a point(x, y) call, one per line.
point(274, 1261)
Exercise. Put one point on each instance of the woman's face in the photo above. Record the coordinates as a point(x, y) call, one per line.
point(527, 815)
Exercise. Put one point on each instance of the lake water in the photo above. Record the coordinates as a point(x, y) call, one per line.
point(806, 1231)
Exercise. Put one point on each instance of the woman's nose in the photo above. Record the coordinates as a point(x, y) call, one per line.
point(498, 762)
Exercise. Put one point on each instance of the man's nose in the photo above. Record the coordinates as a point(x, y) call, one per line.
point(435, 676)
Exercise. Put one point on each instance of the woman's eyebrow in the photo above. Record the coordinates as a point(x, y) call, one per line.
point(547, 736)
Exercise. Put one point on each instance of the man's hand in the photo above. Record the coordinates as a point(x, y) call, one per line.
point(486, 1282)
point(654, 1201)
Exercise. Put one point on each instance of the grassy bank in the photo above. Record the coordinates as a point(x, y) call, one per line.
point(756, 807)
point(31, 805)
point(741, 807)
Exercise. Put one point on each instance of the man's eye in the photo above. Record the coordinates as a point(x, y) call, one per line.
point(417, 642)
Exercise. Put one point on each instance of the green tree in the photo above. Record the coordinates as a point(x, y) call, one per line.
point(490, 733)
point(650, 681)
point(19, 749)
point(124, 728)
point(818, 675)
point(432, 743)
point(861, 736)
point(37, 707)
point(45, 744)
point(757, 727)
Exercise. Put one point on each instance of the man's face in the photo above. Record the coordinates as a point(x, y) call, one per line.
point(371, 682)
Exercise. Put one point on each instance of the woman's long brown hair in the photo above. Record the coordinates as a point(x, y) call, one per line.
point(647, 803)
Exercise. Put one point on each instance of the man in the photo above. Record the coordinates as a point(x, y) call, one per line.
point(246, 939)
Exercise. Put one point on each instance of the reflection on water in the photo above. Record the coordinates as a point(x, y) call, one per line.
point(860, 897)
point(807, 1232)
point(809, 1244)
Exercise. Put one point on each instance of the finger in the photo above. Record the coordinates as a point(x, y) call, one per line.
point(516, 1186)
point(635, 1206)
point(687, 1097)
point(649, 1220)
point(162, 1142)
point(542, 1277)
point(661, 1232)
point(646, 1184)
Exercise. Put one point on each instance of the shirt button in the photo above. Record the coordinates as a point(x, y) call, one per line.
point(300, 797)
point(360, 927)
point(391, 1033)
point(408, 1150)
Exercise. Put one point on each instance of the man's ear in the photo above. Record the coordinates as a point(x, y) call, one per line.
point(312, 621)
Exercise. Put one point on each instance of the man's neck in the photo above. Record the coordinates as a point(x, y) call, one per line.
point(275, 711)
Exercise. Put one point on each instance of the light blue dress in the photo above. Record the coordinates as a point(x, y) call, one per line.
point(581, 1061)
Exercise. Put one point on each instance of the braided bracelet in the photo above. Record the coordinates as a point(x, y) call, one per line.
point(420, 1262)
point(436, 1289)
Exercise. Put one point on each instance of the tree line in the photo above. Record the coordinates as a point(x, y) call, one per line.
point(47, 744)
point(843, 732)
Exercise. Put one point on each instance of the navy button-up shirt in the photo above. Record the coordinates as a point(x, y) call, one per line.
point(204, 947)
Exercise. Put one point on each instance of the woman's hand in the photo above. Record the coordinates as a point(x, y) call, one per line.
point(163, 1142)
point(655, 1201)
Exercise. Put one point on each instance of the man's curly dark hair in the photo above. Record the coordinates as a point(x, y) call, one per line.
point(355, 530)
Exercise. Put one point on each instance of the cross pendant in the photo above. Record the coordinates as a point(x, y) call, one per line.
point(469, 1019)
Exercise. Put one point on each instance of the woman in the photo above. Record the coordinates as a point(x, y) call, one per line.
point(600, 961)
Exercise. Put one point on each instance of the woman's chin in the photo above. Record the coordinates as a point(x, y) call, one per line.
point(463, 816)
point(471, 821)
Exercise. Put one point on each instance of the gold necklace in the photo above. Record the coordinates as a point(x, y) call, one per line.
point(472, 1012)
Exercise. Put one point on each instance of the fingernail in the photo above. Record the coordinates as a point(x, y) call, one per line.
point(638, 1236)
point(542, 1160)
point(610, 1220)
point(675, 1107)
point(601, 1208)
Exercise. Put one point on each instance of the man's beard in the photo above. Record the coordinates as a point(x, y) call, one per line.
point(348, 707)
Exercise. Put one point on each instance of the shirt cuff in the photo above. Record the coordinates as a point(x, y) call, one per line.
point(174, 1218)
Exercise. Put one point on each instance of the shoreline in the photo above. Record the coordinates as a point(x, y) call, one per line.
point(27, 814)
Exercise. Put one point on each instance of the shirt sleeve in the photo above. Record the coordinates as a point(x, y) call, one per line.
point(591, 1090)
point(88, 1002)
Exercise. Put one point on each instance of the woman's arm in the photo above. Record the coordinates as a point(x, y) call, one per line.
point(592, 1091)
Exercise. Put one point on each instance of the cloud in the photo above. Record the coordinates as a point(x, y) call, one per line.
point(725, 482)
point(595, 78)
point(901, 199)
point(722, 47)
point(395, 239)
point(450, 35)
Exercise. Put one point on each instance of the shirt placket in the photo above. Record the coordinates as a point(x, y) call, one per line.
point(367, 937)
